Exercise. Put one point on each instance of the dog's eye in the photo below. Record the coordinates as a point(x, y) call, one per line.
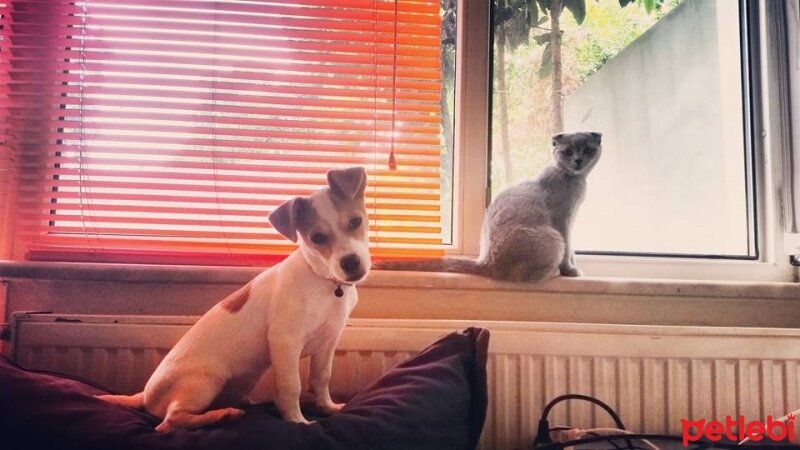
point(319, 238)
point(355, 222)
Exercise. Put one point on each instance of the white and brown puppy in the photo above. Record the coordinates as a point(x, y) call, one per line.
point(294, 309)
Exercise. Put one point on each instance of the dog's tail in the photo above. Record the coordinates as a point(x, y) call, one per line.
point(132, 401)
point(457, 265)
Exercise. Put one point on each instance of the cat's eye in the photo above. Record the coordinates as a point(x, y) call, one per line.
point(567, 152)
point(354, 223)
point(319, 238)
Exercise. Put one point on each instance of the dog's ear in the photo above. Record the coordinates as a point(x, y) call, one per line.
point(285, 218)
point(349, 183)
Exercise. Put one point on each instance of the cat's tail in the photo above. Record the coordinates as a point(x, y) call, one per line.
point(132, 401)
point(457, 265)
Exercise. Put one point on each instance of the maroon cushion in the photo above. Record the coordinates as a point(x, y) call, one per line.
point(435, 400)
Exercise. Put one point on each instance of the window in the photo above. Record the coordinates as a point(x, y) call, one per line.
point(664, 82)
point(171, 129)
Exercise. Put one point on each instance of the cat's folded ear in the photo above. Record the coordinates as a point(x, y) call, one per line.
point(597, 137)
point(558, 138)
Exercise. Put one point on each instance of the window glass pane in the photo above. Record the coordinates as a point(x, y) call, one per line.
point(449, 8)
point(663, 86)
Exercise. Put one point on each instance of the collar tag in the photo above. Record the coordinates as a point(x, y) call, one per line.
point(339, 291)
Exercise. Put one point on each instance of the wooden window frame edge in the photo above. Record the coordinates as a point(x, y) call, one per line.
point(470, 168)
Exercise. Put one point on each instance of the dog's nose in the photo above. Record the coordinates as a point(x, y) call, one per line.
point(350, 263)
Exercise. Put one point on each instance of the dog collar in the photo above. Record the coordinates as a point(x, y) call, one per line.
point(339, 292)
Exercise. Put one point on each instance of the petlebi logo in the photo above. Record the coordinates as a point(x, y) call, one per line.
point(737, 430)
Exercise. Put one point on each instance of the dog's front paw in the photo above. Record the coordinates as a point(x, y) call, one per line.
point(164, 426)
point(296, 418)
point(331, 408)
point(570, 271)
point(229, 414)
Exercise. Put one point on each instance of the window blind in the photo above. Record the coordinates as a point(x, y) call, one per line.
point(170, 129)
point(6, 166)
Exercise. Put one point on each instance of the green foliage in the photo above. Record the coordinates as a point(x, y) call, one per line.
point(518, 17)
point(607, 32)
point(577, 8)
point(591, 57)
point(663, 7)
point(649, 5)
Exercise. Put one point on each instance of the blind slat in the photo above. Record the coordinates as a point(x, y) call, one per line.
point(179, 152)
point(186, 187)
point(127, 148)
point(230, 34)
point(235, 138)
point(241, 83)
point(131, 169)
point(195, 210)
point(236, 60)
point(204, 234)
point(377, 207)
point(382, 178)
point(116, 108)
point(53, 67)
point(97, 96)
point(178, 225)
point(113, 42)
point(132, 120)
point(253, 25)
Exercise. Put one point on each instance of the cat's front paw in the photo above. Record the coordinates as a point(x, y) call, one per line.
point(570, 271)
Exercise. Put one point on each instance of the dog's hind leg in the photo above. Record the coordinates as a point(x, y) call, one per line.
point(180, 418)
point(189, 400)
point(131, 401)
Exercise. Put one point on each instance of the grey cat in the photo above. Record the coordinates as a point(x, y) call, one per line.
point(526, 230)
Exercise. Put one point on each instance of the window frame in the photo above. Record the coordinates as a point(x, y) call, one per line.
point(472, 157)
point(767, 137)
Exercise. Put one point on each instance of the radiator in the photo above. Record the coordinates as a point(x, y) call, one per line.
point(652, 375)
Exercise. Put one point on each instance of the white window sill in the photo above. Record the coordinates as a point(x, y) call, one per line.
point(413, 295)
point(582, 300)
point(589, 285)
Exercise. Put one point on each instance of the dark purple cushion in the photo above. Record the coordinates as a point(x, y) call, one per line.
point(435, 400)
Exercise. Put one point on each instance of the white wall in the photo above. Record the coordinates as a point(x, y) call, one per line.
point(672, 177)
